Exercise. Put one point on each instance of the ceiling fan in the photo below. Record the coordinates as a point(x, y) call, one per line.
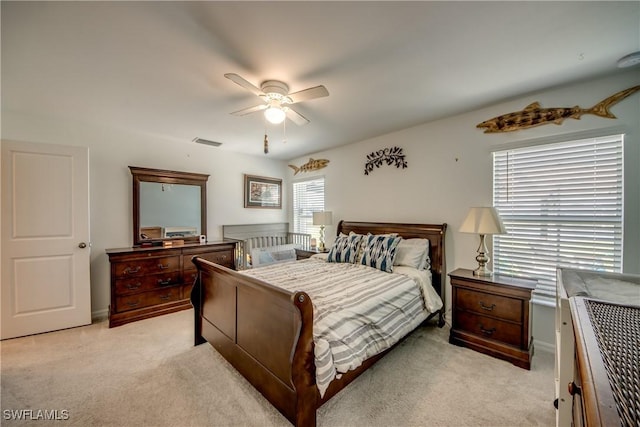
point(277, 99)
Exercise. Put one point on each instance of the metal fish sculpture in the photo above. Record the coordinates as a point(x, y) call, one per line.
point(311, 165)
point(534, 115)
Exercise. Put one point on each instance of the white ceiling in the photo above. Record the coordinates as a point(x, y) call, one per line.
point(156, 68)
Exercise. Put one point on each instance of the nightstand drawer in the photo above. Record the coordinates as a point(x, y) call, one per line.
point(490, 314)
point(307, 253)
point(488, 304)
point(489, 328)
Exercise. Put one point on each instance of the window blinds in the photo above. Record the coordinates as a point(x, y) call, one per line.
point(308, 197)
point(562, 207)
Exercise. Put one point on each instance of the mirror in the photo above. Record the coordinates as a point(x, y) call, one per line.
point(168, 205)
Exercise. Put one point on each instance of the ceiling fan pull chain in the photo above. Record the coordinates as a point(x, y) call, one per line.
point(266, 141)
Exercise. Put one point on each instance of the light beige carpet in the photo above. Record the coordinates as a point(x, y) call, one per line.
point(149, 373)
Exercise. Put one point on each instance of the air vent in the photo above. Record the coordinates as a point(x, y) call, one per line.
point(207, 142)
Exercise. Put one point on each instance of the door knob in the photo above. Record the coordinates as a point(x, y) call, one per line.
point(82, 245)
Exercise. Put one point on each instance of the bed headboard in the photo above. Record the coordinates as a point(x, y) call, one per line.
point(434, 232)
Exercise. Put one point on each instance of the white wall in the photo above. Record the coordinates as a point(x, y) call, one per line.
point(111, 151)
point(450, 170)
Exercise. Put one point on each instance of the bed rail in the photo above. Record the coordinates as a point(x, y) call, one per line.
point(264, 331)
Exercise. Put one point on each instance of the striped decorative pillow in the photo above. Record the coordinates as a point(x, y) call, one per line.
point(380, 252)
point(345, 249)
point(363, 244)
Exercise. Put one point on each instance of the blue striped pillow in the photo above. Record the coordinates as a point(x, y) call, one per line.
point(345, 248)
point(380, 252)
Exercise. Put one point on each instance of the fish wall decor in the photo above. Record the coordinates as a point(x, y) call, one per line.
point(388, 156)
point(311, 165)
point(535, 115)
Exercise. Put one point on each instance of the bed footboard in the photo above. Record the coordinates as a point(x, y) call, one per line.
point(265, 332)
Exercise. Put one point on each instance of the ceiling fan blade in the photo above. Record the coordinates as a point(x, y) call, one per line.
point(296, 117)
point(249, 110)
point(244, 83)
point(307, 94)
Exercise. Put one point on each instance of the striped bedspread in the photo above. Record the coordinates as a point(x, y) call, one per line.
point(358, 311)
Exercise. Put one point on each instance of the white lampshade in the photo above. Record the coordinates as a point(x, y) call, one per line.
point(483, 220)
point(322, 218)
point(274, 115)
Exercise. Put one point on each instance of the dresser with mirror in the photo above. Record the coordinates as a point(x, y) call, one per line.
point(155, 275)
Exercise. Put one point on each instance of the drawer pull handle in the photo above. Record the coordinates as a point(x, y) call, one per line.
point(487, 332)
point(165, 297)
point(133, 287)
point(164, 282)
point(133, 303)
point(163, 267)
point(130, 270)
point(487, 307)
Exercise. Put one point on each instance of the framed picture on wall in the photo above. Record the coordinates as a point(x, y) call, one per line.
point(262, 192)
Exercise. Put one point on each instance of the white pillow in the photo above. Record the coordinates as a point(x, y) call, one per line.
point(261, 257)
point(413, 253)
point(272, 254)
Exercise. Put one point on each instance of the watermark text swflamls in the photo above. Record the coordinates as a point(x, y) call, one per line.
point(35, 414)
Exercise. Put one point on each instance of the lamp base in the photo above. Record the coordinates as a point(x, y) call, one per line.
point(321, 240)
point(482, 272)
point(483, 259)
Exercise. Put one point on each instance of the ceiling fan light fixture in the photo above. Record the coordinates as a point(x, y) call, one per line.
point(274, 115)
point(629, 60)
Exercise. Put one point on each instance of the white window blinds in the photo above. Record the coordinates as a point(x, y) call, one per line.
point(562, 207)
point(308, 197)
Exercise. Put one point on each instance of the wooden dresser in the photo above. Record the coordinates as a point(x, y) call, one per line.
point(151, 281)
point(492, 315)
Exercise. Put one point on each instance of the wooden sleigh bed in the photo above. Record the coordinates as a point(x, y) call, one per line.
point(266, 332)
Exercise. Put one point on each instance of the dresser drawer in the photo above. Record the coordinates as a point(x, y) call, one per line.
point(189, 277)
point(186, 291)
point(224, 258)
point(489, 304)
point(146, 283)
point(144, 266)
point(489, 328)
point(148, 299)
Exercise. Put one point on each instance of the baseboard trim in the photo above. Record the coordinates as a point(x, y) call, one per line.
point(99, 315)
point(544, 346)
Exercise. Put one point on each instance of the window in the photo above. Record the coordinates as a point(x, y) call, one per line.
point(308, 197)
point(562, 207)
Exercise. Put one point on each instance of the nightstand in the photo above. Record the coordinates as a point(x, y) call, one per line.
point(306, 253)
point(492, 315)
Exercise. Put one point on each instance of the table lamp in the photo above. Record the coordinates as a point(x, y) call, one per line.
point(322, 218)
point(482, 221)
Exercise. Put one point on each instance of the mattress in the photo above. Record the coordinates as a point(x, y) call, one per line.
point(358, 311)
point(612, 287)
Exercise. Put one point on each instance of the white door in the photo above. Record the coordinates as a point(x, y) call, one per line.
point(45, 238)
